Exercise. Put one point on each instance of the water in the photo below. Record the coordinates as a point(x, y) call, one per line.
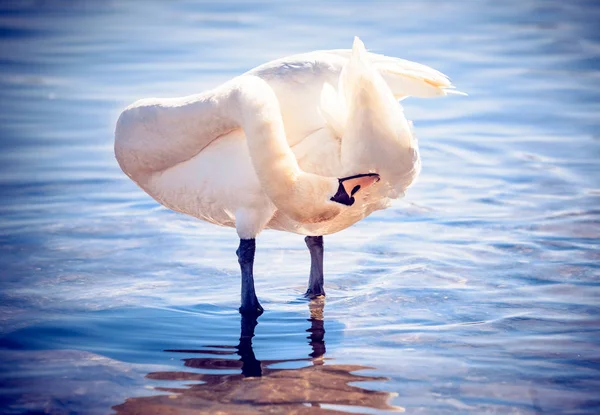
point(477, 293)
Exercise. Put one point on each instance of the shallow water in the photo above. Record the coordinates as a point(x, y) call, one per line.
point(477, 293)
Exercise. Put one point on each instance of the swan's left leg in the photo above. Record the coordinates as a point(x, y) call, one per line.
point(315, 282)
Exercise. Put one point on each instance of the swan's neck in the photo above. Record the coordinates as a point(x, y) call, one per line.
point(250, 103)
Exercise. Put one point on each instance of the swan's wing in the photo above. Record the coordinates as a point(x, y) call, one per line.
point(305, 86)
point(405, 78)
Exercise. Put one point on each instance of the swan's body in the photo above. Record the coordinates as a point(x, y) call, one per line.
point(265, 149)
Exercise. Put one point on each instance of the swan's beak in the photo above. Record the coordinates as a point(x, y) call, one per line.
point(349, 186)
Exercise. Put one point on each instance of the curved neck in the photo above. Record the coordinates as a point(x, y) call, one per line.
point(253, 105)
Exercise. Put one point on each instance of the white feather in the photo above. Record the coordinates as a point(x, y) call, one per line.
point(265, 149)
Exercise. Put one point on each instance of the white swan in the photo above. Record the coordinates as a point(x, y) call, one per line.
point(308, 144)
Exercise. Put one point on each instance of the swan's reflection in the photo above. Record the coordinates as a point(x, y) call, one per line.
point(260, 388)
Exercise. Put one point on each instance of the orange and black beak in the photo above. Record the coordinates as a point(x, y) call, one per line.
point(349, 186)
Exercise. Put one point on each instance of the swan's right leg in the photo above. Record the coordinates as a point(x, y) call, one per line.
point(245, 253)
point(249, 222)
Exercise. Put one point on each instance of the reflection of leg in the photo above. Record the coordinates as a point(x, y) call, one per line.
point(250, 366)
point(317, 328)
point(315, 283)
point(245, 253)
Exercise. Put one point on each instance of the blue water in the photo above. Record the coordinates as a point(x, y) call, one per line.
point(477, 293)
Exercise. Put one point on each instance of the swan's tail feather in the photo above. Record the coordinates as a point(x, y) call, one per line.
point(411, 79)
point(455, 92)
point(406, 78)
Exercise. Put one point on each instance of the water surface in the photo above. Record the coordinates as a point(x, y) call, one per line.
point(477, 293)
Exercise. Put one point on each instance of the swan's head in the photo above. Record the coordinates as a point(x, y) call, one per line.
point(349, 186)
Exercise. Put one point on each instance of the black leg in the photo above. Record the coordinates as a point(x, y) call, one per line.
point(315, 283)
point(245, 253)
